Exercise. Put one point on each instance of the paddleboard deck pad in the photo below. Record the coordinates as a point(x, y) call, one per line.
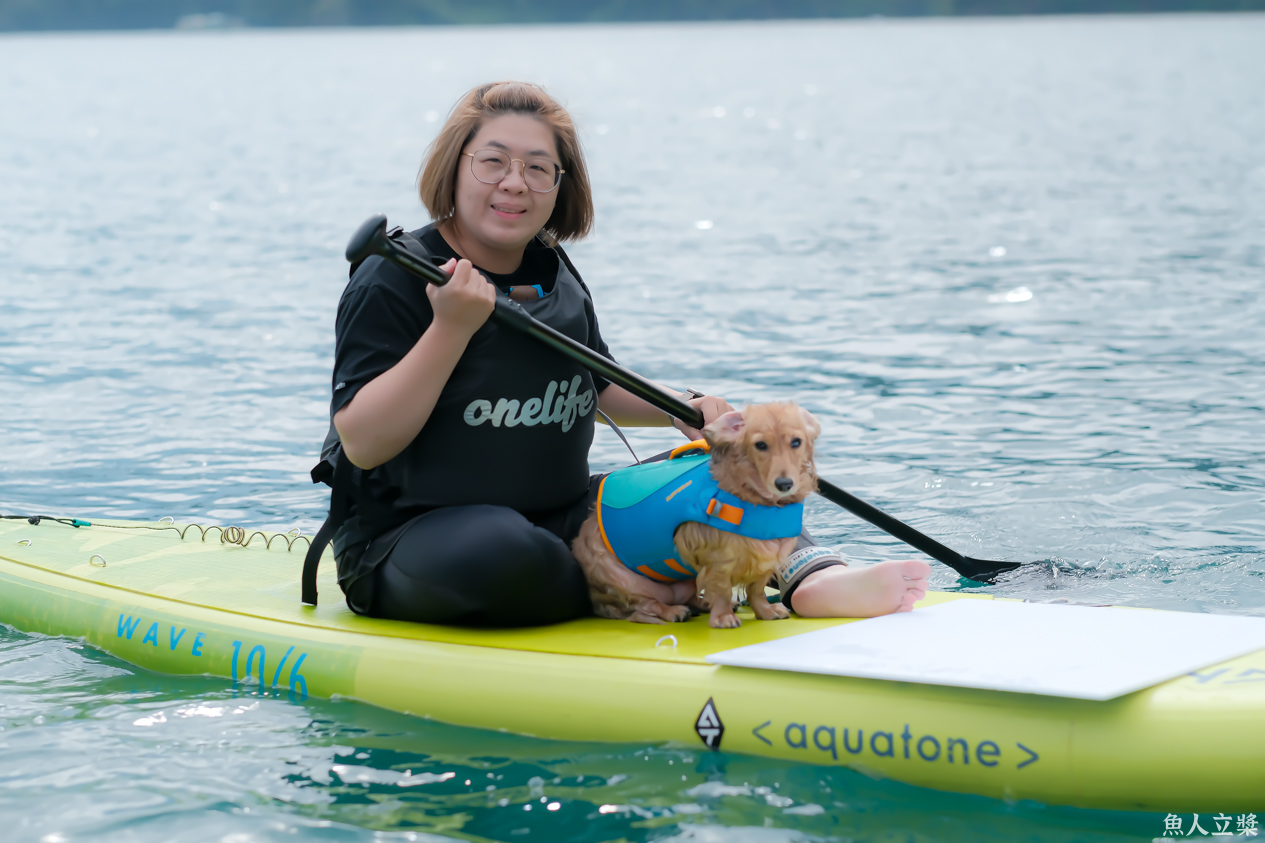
point(1061, 650)
point(183, 600)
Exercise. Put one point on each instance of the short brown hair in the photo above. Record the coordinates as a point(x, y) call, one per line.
point(572, 216)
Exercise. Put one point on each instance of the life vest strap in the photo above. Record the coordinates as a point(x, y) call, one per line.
point(653, 574)
point(725, 512)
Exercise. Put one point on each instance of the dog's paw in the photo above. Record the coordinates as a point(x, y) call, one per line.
point(726, 621)
point(642, 616)
point(652, 611)
point(677, 614)
point(771, 612)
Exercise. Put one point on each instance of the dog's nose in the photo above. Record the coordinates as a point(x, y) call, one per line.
point(784, 484)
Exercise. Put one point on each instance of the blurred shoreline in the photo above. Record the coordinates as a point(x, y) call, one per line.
point(78, 15)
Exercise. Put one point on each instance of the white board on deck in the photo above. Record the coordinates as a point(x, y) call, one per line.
point(1084, 652)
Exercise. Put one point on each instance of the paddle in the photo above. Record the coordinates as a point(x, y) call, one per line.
point(371, 239)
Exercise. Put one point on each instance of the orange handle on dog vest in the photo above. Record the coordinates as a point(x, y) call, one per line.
point(696, 445)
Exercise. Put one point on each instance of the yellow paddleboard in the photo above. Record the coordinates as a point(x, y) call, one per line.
point(195, 604)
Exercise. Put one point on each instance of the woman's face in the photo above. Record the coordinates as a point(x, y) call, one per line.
point(504, 217)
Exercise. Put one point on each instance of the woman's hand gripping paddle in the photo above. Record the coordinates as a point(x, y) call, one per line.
point(372, 239)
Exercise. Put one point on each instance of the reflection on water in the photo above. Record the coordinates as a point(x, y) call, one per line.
point(1013, 265)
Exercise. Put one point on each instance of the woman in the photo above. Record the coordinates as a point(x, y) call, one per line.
point(472, 441)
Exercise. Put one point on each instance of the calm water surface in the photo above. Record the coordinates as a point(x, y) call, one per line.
point(1014, 266)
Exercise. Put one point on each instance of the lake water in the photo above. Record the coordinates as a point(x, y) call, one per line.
point(1014, 266)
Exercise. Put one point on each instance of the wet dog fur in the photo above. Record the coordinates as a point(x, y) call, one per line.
point(752, 451)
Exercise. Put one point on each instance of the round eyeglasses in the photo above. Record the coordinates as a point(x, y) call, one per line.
point(490, 166)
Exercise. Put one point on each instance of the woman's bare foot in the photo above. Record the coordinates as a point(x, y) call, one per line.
point(842, 592)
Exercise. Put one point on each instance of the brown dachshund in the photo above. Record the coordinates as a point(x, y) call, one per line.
point(762, 454)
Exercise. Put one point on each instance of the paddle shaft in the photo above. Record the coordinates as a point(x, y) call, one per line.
point(895, 527)
point(371, 238)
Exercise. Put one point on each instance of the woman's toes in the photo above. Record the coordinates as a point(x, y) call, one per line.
point(915, 569)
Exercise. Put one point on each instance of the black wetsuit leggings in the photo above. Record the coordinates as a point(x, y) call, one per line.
point(480, 565)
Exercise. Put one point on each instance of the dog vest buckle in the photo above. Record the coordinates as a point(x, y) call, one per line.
point(725, 512)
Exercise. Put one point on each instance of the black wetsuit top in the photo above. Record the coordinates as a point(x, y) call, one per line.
point(512, 425)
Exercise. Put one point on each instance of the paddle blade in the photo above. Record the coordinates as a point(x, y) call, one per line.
point(983, 570)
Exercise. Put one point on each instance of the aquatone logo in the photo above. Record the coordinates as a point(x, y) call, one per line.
point(563, 404)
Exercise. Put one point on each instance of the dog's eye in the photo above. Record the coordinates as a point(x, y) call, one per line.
point(795, 443)
point(762, 446)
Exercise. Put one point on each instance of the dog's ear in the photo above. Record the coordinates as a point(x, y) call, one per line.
point(725, 430)
point(811, 425)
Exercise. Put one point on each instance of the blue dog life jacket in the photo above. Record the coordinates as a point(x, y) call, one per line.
point(640, 507)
